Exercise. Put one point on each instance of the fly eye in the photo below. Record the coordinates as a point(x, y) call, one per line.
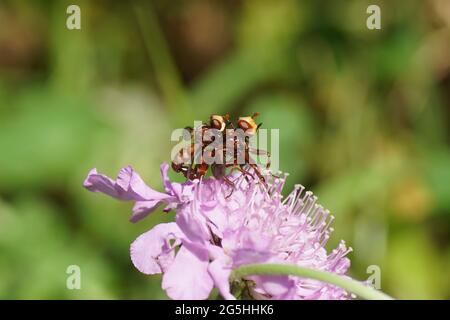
point(247, 124)
point(217, 122)
point(244, 125)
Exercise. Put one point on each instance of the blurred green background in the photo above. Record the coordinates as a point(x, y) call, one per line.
point(364, 118)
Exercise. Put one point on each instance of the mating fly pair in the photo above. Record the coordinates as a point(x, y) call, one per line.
point(220, 145)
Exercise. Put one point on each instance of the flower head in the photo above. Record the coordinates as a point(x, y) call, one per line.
point(220, 227)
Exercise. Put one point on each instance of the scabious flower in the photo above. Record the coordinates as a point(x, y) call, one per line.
point(220, 227)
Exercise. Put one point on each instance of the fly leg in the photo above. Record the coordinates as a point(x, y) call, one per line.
point(218, 171)
point(267, 154)
point(229, 183)
point(244, 172)
point(261, 153)
point(260, 176)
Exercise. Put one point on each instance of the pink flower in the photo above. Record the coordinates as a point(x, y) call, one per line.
point(219, 228)
point(130, 186)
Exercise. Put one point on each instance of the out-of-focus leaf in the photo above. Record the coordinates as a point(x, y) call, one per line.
point(413, 268)
point(296, 125)
point(437, 171)
point(37, 249)
point(358, 186)
point(43, 139)
point(235, 76)
point(286, 19)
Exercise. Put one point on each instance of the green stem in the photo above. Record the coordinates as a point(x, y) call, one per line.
point(348, 284)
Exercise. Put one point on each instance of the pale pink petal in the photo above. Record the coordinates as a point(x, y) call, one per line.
point(193, 227)
point(132, 184)
point(151, 246)
point(246, 246)
point(96, 182)
point(279, 287)
point(220, 272)
point(164, 168)
point(216, 216)
point(188, 277)
point(129, 186)
point(141, 209)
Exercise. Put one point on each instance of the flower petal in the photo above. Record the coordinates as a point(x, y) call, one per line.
point(129, 186)
point(132, 184)
point(182, 192)
point(220, 272)
point(194, 227)
point(150, 249)
point(278, 287)
point(188, 277)
point(142, 209)
point(247, 246)
point(216, 216)
point(164, 168)
point(96, 182)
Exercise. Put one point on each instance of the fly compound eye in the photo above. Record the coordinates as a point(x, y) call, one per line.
point(247, 124)
point(217, 122)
